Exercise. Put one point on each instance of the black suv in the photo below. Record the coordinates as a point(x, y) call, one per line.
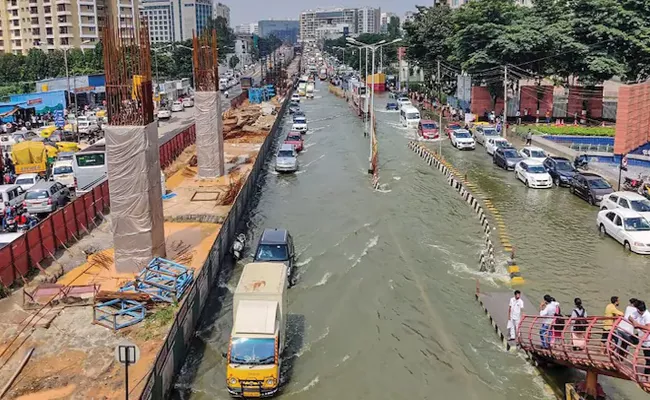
point(560, 169)
point(506, 157)
point(591, 187)
point(276, 245)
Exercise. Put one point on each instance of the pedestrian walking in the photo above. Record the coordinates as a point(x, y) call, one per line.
point(642, 323)
point(529, 137)
point(625, 329)
point(580, 323)
point(514, 314)
point(548, 308)
point(518, 117)
point(611, 311)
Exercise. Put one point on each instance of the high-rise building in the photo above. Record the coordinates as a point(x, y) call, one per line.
point(315, 24)
point(285, 30)
point(242, 29)
point(385, 20)
point(221, 10)
point(368, 20)
point(254, 28)
point(175, 20)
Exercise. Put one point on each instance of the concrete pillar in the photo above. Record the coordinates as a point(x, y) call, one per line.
point(209, 134)
point(136, 195)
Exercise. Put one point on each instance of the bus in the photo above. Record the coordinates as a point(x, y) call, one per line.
point(90, 167)
point(409, 116)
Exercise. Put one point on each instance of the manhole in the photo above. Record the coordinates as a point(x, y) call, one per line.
point(206, 196)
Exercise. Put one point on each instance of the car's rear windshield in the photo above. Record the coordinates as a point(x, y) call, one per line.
point(536, 169)
point(65, 169)
point(24, 181)
point(285, 153)
point(272, 252)
point(490, 132)
point(294, 138)
point(462, 135)
point(429, 126)
point(537, 154)
point(37, 194)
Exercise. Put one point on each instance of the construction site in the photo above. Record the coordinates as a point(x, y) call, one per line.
point(142, 269)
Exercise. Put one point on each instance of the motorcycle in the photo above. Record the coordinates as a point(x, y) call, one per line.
point(11, 225)
point(238, 246)
point(633, 185)
point(581, 162)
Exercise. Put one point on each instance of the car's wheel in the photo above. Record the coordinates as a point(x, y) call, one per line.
point(627, 246)
point(572, 190)
point(494, 161)
point(591, 200)
point(602, 230)
point(527, 184)
point(556, 181)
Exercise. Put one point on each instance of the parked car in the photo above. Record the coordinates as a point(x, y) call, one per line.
point(627, 200)
point(590, 187)
point(177, 106)
point(12, 195)
point(628, 227)
point(299, 124)
point(560, 169)
point(483, 133)
point(62, 172)
point(452, 127)
point(533, 174)
point(293, 108)
point(46, 197)
point(295, 98)
point(164, 114)
point(493, 143)
point(428, 129)
point(403, 101)
point(287, 159)
point(506, 157)
point(188, 102)
point(533, 153)
point(26, 181)
point(462, 139)
point(276, 245)
point(295, 138)
point(392, 106)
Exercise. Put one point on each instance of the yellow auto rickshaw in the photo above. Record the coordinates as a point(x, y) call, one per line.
point(48, 131)
point(67, 147)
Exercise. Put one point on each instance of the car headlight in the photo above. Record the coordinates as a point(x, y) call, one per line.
point(638, 244)
point(232, 381)
point(270, 382)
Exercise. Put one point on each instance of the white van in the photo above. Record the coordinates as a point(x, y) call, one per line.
point(62, 172)
point(90, 167)
point(12, 195)
point(409, 116)
point(223, 83)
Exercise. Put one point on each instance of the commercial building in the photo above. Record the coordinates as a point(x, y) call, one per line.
point(285, 30)
point(175, 20)
point(221, 10)
point(319, 23)
point(254, 28)
point(242, 29)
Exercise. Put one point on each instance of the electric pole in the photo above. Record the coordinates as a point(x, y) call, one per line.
point(505, 101)
point(439, 111)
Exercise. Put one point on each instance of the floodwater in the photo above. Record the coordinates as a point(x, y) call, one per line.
point(384, 304)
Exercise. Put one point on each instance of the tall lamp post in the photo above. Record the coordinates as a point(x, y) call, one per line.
point(155, 50)
point(67, 76)
point(373, 47)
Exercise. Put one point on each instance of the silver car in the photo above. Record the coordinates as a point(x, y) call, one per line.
point(287, 159)
point(46, 197)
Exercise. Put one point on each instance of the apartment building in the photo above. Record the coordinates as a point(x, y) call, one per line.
point(221, 10)
point(385, 20)
point(354, 20)
point(368, 20)
point(175, 20)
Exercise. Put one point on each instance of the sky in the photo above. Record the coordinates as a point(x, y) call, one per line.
point(247, 11)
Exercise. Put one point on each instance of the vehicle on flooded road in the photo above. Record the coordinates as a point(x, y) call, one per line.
point(299, 123)
point(287, 159)
point(627, 200)
point(506, 158)
point(462, 139)
point(627, 227)
point(164, 114)
point(494, 143)
point(590, 187)
point(276, 245)
point(392, 106)
point(177, 106)
point(409, 116)
point(294, 108)
point(533, 153)
point(560, 169)
point(295, 138)
point(533, 174)
point(452, 127)
point(295, 98)
point(403, 101)
point(428, 129)
point(483, 133)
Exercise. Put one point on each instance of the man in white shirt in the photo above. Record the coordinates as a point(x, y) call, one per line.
point(642, 323)
point(548, 308)
point(514, 314)
point(625, 329)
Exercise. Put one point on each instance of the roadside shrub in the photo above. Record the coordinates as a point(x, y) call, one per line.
point(576, 130)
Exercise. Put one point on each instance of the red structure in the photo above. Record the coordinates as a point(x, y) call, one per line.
point(589, 344)
point(632, 117)
point(589, 99)
point(482, 101)
point(536, 97)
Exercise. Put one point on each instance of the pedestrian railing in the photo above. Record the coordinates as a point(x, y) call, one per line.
point(589, 343)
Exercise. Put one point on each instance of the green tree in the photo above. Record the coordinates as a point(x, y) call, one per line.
point(36, 65)
point(394, 27)
point(234, 60)
point(225, 36)
point(427, 37)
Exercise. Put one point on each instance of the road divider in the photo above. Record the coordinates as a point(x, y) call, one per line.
point(471, 193)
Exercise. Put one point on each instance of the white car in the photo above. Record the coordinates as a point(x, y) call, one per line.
point(188, 102)
point(494, 143)
point(177, 106)
point(533, 174)
point(462, 139)
point(62, 172)
point(626, 200)
point(299, 126)
point(403, 101)
point(483, 133)
point(533, 153)
point(26, 181)
point(628, 227)
point(295, 97)
point(164, 113)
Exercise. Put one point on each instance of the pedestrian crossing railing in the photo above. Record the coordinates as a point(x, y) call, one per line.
point(603, 344)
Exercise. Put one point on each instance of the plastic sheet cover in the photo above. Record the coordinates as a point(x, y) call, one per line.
point(136, 195)
point(209, 134)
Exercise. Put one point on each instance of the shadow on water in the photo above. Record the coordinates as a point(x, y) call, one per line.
point(295, 339)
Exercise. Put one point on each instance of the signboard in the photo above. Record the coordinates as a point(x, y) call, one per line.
point(59, 120)
point(127, 352)
point(34, 101)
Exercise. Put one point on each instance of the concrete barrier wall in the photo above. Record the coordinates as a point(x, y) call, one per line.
point(172, 354)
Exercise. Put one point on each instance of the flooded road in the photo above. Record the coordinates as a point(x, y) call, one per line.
point(384, 307)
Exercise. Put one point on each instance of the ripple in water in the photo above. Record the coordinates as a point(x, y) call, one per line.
point(371, 243)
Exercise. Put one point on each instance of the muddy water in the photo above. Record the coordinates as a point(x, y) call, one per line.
point(384, 305)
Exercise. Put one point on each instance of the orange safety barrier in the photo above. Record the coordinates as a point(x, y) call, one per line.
point(593, 343)
point(69, 222)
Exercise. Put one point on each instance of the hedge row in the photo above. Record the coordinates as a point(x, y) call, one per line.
point(576, 130)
